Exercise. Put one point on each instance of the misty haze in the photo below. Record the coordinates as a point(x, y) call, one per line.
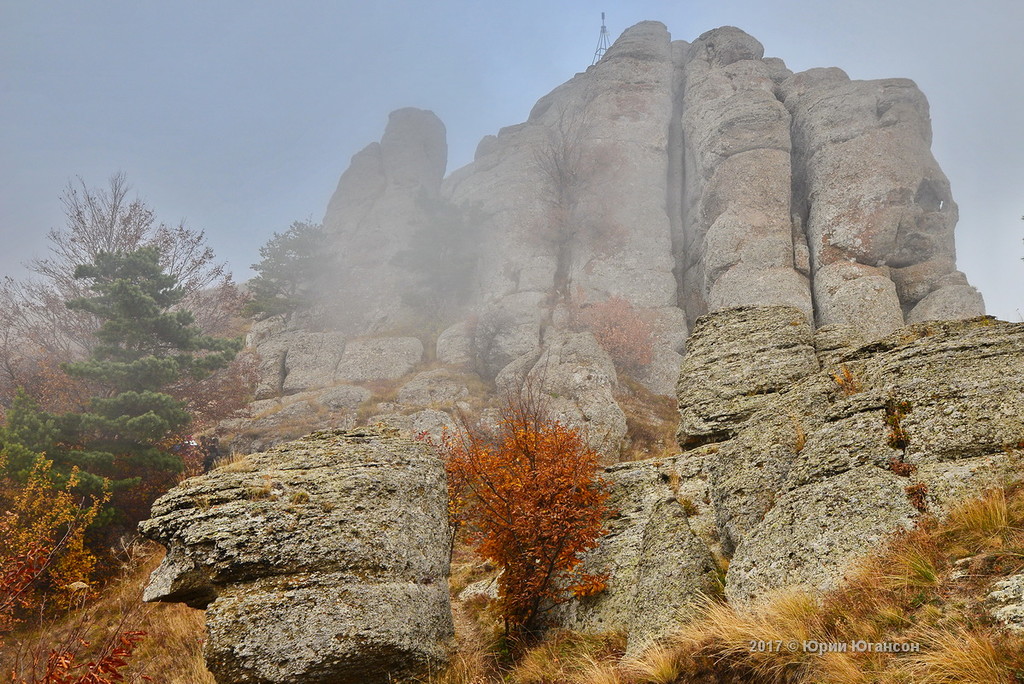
point(699, 366)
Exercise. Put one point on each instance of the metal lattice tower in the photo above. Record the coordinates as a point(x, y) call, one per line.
point(603, 43)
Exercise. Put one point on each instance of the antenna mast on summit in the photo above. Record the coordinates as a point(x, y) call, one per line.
point(602, 43)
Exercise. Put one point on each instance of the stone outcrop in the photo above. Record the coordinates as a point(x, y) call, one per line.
point(795, 223)
point(685, 178)
point(653, 554)
point(740, 243)
point(381, 201)
point(801, 455)
point(577, 380)
point(1006, 602)
point(321, 560)
point(817, 459)
point(876, 208)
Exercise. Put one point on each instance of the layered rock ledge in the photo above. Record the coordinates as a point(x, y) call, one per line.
point(800, 455)
point(322, 560)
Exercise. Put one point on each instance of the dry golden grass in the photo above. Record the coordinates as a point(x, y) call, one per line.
point(477, 636)
point(981, 523)
point(234, 462)
point(659, 664)
point(799, 434)
point(564, 656)
point(597, 672)
point(651, 421)
point(849, 383)
point(170, 653)
point(960, 655)
point(905, 594)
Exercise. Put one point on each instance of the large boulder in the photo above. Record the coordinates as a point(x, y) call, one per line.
point(657, 563)
point(379, 358)
point(821, 451)
point(321, 560)
point(736, 359)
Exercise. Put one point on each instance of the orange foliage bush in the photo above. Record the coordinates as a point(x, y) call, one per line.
point(621, 331)
point(42, 545)
point(43, 557)
point(532, 503)
point(62, 666)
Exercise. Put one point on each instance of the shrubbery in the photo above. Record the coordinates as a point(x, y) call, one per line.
point(532, 503)
point(291, 267)
point(621, 331)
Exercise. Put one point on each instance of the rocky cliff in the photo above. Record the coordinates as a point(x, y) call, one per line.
point(799, 458)
point(799, 455)
point(671, 178)
point(839, 382)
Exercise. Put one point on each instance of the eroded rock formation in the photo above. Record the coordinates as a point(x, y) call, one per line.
point(683, 178)
point(795, 222)
point(321, 560)
point(798, 460)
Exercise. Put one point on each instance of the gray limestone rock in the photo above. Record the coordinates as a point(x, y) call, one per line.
point(862, 298)
point(577, 379)
point(454, 347)
point(322, 560)
point(432, 422)
point(344, 397)
point(486, 589)
point(736, 359)
point(813, 534)
point(380, 204)
point(802, 476)
point(431, 387)
point(687, 179)
point(380, 358)
point(872, 194)
point(738, 236)
point(945, 303)
point(295, 360)
point(1006, 602)
point(656, 565)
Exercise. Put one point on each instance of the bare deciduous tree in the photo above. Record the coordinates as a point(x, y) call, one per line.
point(569, 162)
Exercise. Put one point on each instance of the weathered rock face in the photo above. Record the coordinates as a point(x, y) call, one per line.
point(801, 455)
point(815, 455)
point(382, 200)
point(1006, 602)
point(877, 210)
point(682, 177)
point(322, 560)
point(794, 222)
point(654, 558)
point(739, 239)
point(578, 381)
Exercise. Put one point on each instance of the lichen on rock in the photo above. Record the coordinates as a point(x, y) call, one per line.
point(321, 560)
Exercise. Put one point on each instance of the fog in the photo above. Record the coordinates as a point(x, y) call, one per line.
point(239, 117)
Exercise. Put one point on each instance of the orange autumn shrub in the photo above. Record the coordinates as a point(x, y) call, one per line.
point(43, 561)
point(42, 543)
point(532, 503)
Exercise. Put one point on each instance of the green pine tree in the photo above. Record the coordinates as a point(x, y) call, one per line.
point(144, 344)
point(288, 275)
point(28, 433)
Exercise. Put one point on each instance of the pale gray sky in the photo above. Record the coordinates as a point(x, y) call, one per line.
point(239, 116)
